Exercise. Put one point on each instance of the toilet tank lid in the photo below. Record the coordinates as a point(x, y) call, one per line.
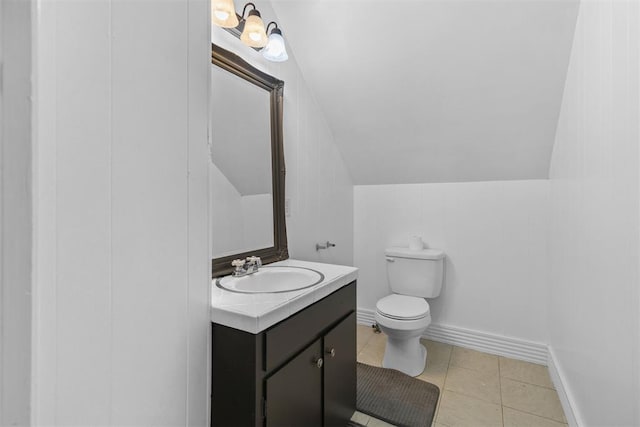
point(416, 254)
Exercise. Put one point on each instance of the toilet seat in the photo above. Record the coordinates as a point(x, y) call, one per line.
point(402, 307)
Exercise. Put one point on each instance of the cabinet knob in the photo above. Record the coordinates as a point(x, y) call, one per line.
point(319, 363)
point(332, 352)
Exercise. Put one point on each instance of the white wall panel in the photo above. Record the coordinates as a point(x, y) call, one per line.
point(122, 245)
point(594, 305)
point(494, 236)
point(149, 212)
point(45, 307)
point(199, 273)
point(83, 205)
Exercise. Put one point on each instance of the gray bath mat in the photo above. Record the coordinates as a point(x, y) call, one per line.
point(396, 398)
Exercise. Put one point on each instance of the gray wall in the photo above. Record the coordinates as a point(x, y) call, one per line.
point(15, 204)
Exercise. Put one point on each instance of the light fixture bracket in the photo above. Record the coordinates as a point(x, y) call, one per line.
point(276, 28)
point(254, 10)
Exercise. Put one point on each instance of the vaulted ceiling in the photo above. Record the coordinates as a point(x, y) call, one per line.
point(435, 91)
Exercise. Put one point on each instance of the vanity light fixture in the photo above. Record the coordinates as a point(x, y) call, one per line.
point(250, 30)
point(223, 13)
point(253, 34)
point(275, 49)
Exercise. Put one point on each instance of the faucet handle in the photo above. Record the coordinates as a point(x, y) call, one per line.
point(255, 260)
point(238, 263)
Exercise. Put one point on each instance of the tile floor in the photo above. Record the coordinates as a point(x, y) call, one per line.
point(476, 389)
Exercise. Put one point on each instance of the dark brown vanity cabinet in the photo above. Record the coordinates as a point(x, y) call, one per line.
point(299, 372)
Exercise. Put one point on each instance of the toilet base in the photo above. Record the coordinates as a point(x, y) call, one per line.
point(406, 355)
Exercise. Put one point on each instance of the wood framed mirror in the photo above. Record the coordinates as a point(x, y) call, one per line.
point(247, 179)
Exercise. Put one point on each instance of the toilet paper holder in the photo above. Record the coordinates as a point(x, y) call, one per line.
point(327, 245)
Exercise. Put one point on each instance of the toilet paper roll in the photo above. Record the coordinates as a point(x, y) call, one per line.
point(415, 243)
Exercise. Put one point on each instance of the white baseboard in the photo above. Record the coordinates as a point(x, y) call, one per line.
point(500, 345)
point(565, 395)
point(366, 317)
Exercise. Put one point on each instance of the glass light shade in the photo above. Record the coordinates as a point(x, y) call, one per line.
point(223, 13)
point(275, 50)
point(254, 34)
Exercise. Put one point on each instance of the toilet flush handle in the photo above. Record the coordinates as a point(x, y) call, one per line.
point(389, 259)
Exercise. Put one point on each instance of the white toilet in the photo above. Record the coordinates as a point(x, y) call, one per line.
point(404, 315)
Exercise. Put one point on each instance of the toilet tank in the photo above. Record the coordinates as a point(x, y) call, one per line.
point(416, 273)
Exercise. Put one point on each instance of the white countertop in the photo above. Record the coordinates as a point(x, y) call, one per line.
point(256, 312)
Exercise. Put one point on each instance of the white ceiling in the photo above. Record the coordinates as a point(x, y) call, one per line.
point(435, 91)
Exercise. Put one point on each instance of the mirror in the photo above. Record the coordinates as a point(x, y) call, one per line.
point(241, 186)
point(247, 163)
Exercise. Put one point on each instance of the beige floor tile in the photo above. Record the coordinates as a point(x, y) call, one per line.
point(437, 352)
point(434, 374)
point(364, 334)
point(435, 413)
point(377, 340)
point(460, 410)
point(361, 418)
point(471, 359)
point(479, 384)
point(374, 422)
point(525, 372)
point(370, 358)
point(372, 353)
point(473, 384)
point(531, 398)
point(513, 418)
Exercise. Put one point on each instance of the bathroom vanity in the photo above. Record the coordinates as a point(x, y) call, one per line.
point(286, 359)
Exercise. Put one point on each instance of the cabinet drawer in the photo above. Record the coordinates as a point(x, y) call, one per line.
point(283, 340)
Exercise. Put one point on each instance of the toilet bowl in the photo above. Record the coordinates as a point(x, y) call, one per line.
point(404, 319)
point(404, 316)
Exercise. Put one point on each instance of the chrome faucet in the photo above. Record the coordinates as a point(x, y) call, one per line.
point(244, 267)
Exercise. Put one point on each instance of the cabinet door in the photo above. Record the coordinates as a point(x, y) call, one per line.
point(294, 393)
point(340, 373)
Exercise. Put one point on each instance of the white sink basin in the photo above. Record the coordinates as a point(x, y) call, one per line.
point(274, 279)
